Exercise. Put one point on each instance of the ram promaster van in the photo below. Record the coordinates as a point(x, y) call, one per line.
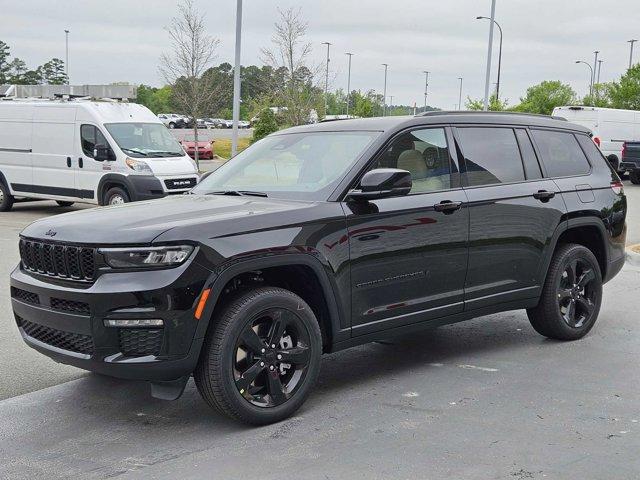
point(84, 151)
point(611, 127)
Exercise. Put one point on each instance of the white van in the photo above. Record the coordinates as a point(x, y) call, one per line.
point(611, 127)
point(83, 151)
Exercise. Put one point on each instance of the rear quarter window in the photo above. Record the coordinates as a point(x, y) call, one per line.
point(561, 153)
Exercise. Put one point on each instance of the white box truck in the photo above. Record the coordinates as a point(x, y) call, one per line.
point(100, 152)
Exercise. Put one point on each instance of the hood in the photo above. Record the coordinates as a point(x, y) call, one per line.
point(171, 166)
point(142, 222)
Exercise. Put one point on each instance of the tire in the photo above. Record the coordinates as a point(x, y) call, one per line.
point(552, 316)
point(634, 177)
point(172, 125)
point(6, 199)
point(227, 383)
point(613, 161)
point(116, 196)
point(64, 204)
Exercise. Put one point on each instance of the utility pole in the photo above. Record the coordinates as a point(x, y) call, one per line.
point(489, 49)
point(632, 41)
point(390, 100)
point(349, 81)
point(595, 67)
point(460, 95)
point(499, 55)
point(426, 88)
point(326, 82)
point(384, 94)
point(66, 49)
point(599, 68)
point(236, 81)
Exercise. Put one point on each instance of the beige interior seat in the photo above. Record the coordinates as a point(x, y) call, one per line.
point(412, 161)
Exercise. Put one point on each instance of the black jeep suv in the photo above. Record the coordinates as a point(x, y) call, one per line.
point(323, 237)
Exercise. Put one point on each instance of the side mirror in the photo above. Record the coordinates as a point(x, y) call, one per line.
point(382, 183)
point(101, 153)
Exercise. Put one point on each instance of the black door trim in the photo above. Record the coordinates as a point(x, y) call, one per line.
point(57, 191)
point(16, 150)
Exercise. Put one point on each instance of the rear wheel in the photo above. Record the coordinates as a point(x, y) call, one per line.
point(571, 296)
point(6, 199)
point(64, 204)
point(116, 196)
point(262, 358)
point(634, 177)
point(172, 125)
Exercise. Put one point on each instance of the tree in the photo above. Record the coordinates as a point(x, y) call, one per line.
point(545, 96)
point(193, 51)
point(626, 92)
point(52, 72)
point(294, 83)
point(158, 100)
point(265, 125)
point(495, 104)
point(5, 66)
point(601, 96)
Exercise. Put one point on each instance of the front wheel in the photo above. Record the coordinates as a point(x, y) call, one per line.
point(6, 199)
point(116, 196)
point(571, 297)
point(262, 358)
point(634, 177)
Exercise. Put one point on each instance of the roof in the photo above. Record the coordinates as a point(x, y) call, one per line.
point(384, 124)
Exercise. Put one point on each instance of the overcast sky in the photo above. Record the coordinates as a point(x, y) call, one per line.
point(121, 40)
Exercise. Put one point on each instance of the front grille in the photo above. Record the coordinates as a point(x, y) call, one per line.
point(138, 342)
point(178, 183)
point(73, 342)
point(62, 261)
point(24, 296)
point(70, 306)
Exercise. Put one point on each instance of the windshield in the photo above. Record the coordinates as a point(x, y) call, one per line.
point(304, 166)
point(145, 140)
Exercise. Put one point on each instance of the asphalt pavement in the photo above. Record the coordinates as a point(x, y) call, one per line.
point(483, 399)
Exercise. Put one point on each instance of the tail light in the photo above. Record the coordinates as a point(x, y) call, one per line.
point(596, 140)
point(617, 187)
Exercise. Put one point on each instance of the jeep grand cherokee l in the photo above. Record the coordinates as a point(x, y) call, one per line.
point(322, 237)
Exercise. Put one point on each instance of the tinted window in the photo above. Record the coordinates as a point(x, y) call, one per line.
point(88, 138)
point(561, 153)
point(593, 153)
point(491, 155)
point(425, 154)
point(531, 165)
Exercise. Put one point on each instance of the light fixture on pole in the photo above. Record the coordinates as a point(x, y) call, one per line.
point(460, 95)
point(632, 41)
point(426, 88)
point(384, 92)
point(66, 51)
point(487, 80)
point(236, 80)
point(349, 81)
point(590, 77)
point(499, 54)
point(326, 81)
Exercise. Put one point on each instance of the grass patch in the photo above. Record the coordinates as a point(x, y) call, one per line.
point(222, 146)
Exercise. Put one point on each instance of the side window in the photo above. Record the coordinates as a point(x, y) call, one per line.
point(561, 153)
point(531, 165)
point(491, 155)
point(425, 154)
point(593, 153)
point(88, 139)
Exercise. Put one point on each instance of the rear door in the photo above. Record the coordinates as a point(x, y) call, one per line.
point(513, 214)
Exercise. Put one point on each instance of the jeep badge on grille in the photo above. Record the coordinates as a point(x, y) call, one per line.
point(50, 233)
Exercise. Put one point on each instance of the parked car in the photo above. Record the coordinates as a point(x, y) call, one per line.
point(323, 237)
point(611, 127)
point(172, 120)
point(90, 152)
point(631, 161)
point(205, 147)
point(209, 123)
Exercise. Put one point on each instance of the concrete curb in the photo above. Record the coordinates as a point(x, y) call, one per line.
point(633, 257)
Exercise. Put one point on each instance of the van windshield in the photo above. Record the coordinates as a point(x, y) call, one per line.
point(145, 139)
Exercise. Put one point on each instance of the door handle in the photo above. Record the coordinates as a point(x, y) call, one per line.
point(544, 195)
point(447, 206)
point(80, 162)
point(69, 162)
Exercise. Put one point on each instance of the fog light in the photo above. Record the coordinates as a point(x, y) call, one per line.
point(133, 323)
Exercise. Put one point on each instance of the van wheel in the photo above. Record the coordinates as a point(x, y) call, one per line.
point(571, 296)
point(634, 177)
point(6, 199)
point(261, 359)
point(116, 196)
point(64, 204)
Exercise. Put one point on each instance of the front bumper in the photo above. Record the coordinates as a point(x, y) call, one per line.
point(148, 187)
point(67, 323)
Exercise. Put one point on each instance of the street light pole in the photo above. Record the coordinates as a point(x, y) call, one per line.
point(595, 67)
point(66, 50)
point(489, 49)
point(599, 68)
point(391, 101)
point(632, 41)
point(384, 94)
point(236, 81)
point(326, 81)
point(460, 95)
point(426, 88)
point(499, 55)
point(590, 78)
point(349, 81)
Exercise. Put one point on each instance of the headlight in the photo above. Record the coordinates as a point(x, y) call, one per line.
point(145, 257)
point(138, 165)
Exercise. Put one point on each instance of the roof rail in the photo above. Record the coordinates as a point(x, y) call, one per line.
point(482, 112)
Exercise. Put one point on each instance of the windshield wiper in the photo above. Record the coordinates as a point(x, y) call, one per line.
point(239, 193)
point(133, 150)
point(162, 153)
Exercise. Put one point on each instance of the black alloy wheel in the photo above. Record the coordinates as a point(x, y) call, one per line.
point(576, 293)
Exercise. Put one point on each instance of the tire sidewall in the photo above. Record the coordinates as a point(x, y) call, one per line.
point(7, 198)
point(112, 192)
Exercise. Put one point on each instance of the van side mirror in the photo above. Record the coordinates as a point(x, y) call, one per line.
point(101, 153)
point(382, 183)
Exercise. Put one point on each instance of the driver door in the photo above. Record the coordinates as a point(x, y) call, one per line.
point(90, 171)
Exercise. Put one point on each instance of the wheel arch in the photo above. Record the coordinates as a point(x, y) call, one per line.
point(111, 180)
